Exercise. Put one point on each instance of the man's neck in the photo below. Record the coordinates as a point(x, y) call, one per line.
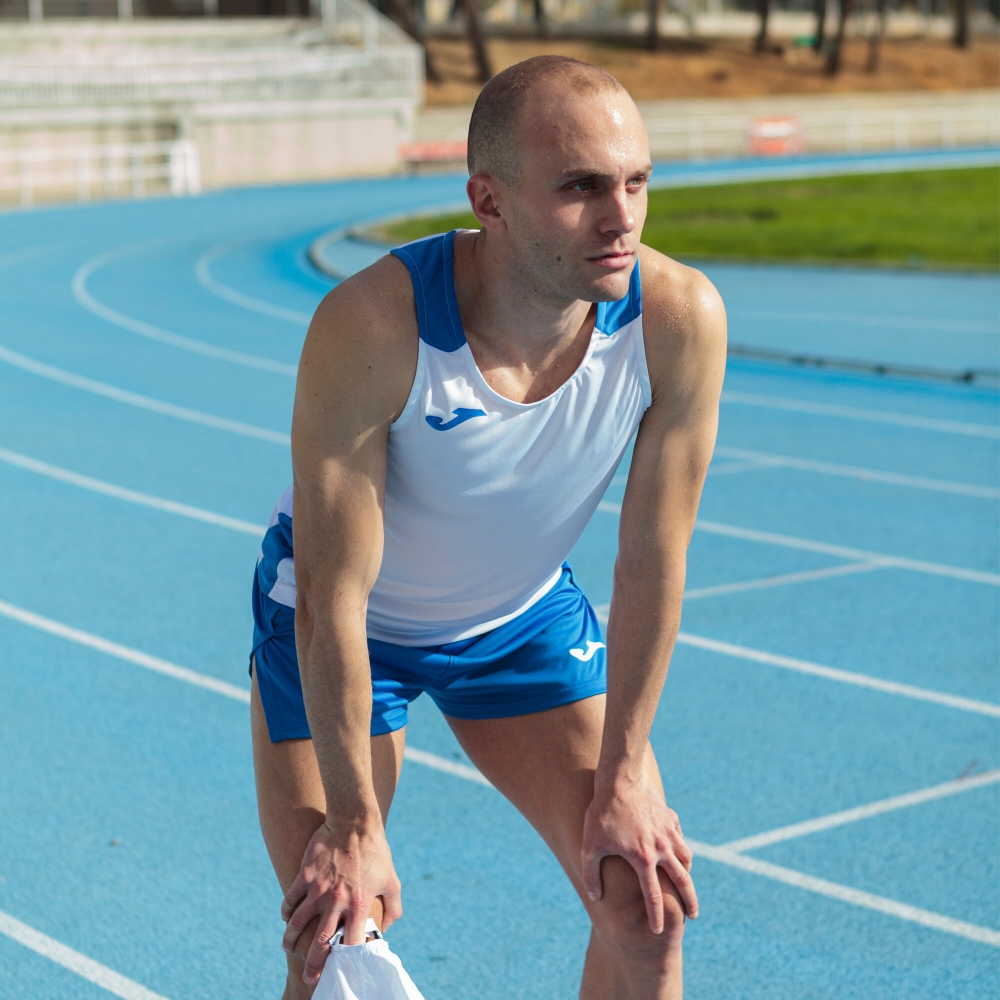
point(526, 341)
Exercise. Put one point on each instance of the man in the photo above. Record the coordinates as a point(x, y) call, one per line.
point(461, 407)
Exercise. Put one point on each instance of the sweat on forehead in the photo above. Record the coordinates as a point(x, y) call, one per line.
point(493, 138)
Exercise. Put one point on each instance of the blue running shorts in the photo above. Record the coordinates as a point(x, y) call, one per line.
point(550, 655)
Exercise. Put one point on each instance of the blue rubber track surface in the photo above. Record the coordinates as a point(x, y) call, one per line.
point(849, 523)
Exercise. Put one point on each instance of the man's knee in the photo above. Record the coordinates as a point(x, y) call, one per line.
point(620, 917)
point(295, 988)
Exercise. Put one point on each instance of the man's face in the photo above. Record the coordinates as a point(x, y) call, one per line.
point(576, 215)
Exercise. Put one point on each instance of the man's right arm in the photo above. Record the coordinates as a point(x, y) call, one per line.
point(355, 373)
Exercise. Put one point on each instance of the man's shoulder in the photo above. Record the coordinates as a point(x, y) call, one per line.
point(362, 341)
point(683, 317)
point(676, 297)
point(371, 310)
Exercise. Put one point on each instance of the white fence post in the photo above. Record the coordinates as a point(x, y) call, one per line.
point(24, 180)
point(108, 173)
point(852, 134)
point(948, 128)
point(83, 175)
point(901, 132)
point(125, 10)
point(193, 161)
point(35, 11)
point(695, 143)
point(136, 171)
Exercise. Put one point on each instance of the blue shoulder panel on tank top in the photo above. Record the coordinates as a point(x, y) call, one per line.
point(612, 316)
point(430, 262)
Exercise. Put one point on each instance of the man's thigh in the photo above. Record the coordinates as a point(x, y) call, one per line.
point(544, 764)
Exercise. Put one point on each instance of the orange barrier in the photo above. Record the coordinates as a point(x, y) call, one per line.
point(775, 136)
point(433, 152)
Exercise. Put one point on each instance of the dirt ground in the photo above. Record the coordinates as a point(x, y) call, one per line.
point(732, 69)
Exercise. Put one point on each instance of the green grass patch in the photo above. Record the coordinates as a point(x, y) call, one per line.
point(933, 217)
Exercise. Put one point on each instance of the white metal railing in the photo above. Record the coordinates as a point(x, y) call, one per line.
point(946, 126)
point(108, 171)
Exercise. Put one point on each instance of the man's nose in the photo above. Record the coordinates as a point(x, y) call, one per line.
point(619, 218)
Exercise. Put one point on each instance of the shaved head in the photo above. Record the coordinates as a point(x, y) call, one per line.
point(494, 140)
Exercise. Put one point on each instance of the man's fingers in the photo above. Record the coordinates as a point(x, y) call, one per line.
point(592, 875)
point(683, 883)
point(653, 894)
point(296, 924)
point(320, 948)
point(296, 893)
point(354, 924)
point(392, 908)
point(684, 854)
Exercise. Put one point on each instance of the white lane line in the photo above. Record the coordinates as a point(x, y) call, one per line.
point(856, 897)
point(148, 330)
point(857, 472)
point(121, 652)
point(86, 968)
point(445, 765)
point(843, 676)
point(142, 402)
point(843, 552)
point(828, 673)
point(840, 551)
point(832, 820)
point(832, 889)
point(130, 496)
point(882, 322)
point(859, 413)
point(203, 272)
point(785, 579)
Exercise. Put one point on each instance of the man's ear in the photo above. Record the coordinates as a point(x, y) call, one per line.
point(486, 194)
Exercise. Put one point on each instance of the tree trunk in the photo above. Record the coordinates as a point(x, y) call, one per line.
point(833, 61)
point(541, 24)
point(875, 38)
point(962, 23)
point(819, 8)
point(653, 25)
point(473, 27)
point(407, 20)
point(760, 42)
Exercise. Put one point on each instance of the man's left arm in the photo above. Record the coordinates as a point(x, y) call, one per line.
point(684, 328)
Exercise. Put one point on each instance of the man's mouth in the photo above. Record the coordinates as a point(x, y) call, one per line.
point(615, 260)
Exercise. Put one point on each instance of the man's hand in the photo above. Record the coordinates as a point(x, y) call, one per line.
point(634, 822)
point(342, 872)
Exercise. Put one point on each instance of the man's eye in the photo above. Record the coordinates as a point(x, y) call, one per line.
point(582, 186)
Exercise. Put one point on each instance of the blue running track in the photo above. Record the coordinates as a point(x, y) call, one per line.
point(839, 649)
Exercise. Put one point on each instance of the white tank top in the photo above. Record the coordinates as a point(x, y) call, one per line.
point(485, 497)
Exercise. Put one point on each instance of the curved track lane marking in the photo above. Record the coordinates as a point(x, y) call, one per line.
point(845, 894)
point(858, 813)
point(765, 459)
point(202, 270)
point(130, 496)
point(861, 413)
point(86, 968)
point(151, 332)
point(142, 402)
point(839, 551)
point(843, 676)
